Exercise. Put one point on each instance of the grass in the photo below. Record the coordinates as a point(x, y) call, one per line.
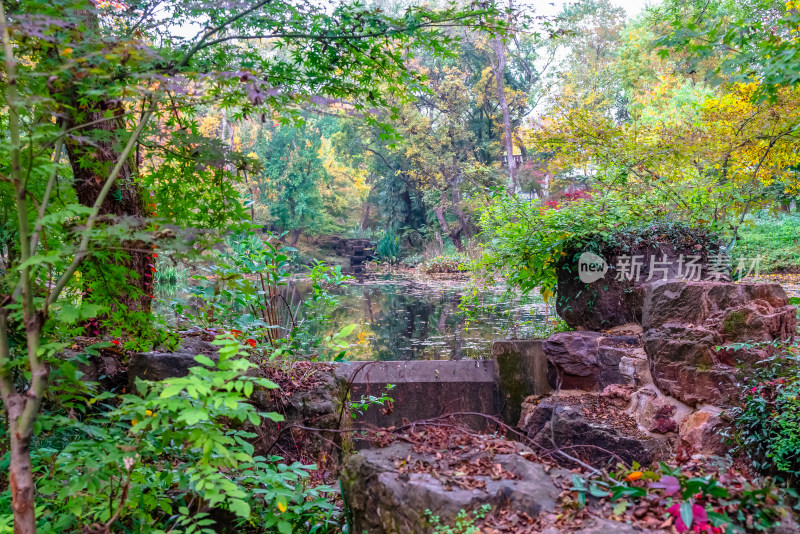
point(776, 239)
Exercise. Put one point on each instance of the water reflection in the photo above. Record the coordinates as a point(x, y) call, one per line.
point(413, 318)
point(408, 317)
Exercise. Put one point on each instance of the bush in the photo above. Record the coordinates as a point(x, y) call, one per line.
point(445, 264)
point(527, 241)
point(412, 260)
point(551, 326)
point(388, 247)
point(177, 458)
point(722, 500)
point(767, 424)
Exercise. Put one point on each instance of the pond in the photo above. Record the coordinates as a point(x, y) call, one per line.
point(415, 317)
point(411, 316)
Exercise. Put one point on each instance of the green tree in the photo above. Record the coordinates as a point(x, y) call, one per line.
point(746, 40)
point(293, 176)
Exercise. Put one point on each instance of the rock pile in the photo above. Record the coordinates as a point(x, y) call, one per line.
point(684, 323)
point(673, 376)
point(617, 297)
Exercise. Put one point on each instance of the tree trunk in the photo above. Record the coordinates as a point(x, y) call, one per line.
point(499, 67)
point(20, 471)
point(438, 236)
point(463, 220)
point(21, 482)
point(454, 235)
point(296, 235)
point(91, 165)
point(365, 216)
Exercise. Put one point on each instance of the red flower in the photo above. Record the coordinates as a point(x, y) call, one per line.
point(115, 342)
point(236, 333)
point(251, 342)
point(155, 255)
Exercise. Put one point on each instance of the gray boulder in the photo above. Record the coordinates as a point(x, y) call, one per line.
point(590, 429)
point(618, 297)
point(383, 500)
point(160, 365)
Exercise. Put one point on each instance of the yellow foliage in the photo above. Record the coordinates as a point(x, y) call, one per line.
point(699, 147)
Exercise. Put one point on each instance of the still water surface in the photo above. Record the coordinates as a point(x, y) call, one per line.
point(411, 316)
point(415, 317)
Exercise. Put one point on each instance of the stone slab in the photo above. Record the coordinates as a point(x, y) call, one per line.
point(425, 389)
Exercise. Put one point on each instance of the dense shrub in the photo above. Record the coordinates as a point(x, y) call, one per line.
point(178, 457)
point(388, 247)
point(445, 264)
point(525, 242)
point(714, 498)
point(767, 424)
point(628, 238)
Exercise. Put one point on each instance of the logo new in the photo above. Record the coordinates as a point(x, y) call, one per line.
point(591, 267)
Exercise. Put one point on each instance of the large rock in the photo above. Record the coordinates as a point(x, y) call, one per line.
point(314, 395)
point(385, 497)
point(684, 322)
point(617, 297)
point(590, 428)
point(590, 361)
point(105, 369)
point(160, 365)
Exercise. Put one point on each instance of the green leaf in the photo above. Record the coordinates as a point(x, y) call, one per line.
point(347, 330)
point(205, 360)
point(687, 514)
point(39, 259)
point(171, 390)
point(193, 415)
point(597, 492)
point(239, 507)
point(284, 527)
point(272, 416)
point(69, 313)
point(266, 383)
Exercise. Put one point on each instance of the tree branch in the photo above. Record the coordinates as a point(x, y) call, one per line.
point(48, 190)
